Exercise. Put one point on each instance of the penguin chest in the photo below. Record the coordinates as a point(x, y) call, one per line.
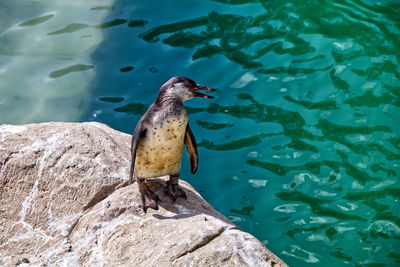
point(160, 151)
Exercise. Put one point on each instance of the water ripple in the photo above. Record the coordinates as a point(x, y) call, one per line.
point(36, 21)
point(73, 68)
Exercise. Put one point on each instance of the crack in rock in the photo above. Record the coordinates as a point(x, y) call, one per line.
point(100, 195)
point(206, 240)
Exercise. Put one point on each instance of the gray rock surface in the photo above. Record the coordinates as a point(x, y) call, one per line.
point(64, 201)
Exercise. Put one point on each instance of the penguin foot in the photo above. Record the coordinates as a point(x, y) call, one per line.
point(173, 190)
point(154, 199)
point(146, 192)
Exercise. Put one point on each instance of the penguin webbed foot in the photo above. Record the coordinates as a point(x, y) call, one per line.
point(173, 190)
point(154, 199)
point(146, 192)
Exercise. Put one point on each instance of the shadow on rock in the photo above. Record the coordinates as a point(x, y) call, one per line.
point(181, 208)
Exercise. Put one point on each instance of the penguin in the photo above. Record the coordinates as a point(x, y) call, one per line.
point(159, 138)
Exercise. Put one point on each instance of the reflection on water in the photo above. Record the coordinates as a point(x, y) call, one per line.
point(301, 147)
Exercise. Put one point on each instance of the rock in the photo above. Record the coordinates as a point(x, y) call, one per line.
point(63, 201)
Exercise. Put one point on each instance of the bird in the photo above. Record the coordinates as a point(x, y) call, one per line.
point(159, 138)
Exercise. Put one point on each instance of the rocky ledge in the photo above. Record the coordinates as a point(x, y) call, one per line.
point(63, 201)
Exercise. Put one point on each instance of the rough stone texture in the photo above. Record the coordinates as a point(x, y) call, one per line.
point(63, 202)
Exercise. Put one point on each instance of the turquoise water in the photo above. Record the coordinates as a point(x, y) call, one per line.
point(300, 147)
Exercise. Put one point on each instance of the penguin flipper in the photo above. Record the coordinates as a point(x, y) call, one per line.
point(191, 148)
point(137, 136)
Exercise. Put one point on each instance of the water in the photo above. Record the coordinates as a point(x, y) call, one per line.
point(301, 145)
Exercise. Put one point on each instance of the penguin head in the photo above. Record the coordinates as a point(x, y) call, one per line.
point(184, 88)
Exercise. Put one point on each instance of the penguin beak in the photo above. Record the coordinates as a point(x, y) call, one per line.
point(199, 87)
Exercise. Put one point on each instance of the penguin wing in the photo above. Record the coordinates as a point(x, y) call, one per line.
point(137, 136)
point(191, 148)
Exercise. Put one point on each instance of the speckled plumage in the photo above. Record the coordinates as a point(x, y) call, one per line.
point(159, 138)
point(160, 151)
